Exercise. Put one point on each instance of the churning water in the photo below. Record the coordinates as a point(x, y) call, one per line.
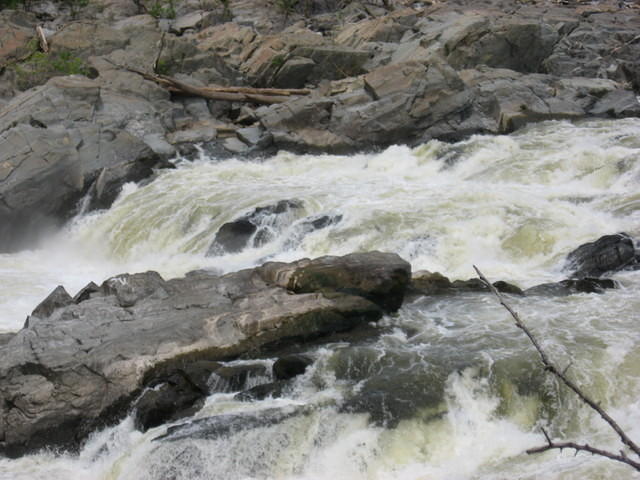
point(450, 389)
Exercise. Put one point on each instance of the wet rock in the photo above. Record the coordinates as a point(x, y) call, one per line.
point(234, 378)
point(82, 366)
point(222, 425)
point(291, 366)
point(176, 398)
point(260, 392)
point(57, 299)
point(571, 287)
point(380, 277)
point(252, 228)
point(608, 254)
point(427, 283)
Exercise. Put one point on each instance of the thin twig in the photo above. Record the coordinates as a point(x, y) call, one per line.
point(551, 367)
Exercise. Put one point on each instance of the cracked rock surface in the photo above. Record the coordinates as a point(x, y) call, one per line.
point(79, 364)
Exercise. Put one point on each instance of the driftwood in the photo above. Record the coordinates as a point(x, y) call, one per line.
point(266, 96)
point(550, 367)
point(44, 46)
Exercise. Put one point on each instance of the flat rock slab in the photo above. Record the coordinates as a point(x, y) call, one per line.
point(79, 364)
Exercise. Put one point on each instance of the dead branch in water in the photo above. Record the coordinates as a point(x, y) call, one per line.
point(266, 96)
point(561, 375)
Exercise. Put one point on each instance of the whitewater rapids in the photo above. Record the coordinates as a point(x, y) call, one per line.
point(513, 205)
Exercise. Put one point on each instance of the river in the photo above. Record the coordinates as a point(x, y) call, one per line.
point(462, 393)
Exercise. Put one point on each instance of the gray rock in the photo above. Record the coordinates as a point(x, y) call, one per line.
point(57, 299)
point(366, 274)
point(235, 145)
point(62, 140)
point(253, 228)
point(82, 366)
point(608, 254)
point(571, 287)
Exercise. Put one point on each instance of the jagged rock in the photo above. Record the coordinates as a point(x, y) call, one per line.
point(87, 292)
point(291, 366)
point(57, 299)
point(608, 254)
point(572, 286)
point(60, 141)
point(234, 236)
point(109, 346)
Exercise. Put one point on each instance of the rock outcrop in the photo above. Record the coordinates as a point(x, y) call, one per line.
point(379, 73)
point(79, 365)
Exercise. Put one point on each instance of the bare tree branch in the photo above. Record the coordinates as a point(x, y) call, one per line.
point(561, 375)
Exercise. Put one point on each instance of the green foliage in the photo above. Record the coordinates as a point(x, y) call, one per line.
point(286, 6)
point(226, 9)
point(163, 67)
point(277, 61)
point(10, 4)
point(163, 9)
point(40, 67)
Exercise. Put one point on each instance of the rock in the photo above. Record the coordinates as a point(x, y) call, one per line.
point(83, 39)
point(291, 366)
point(87, 292)
point(234, 378)
point(253, 227)
point(608, 254)
point(57, 299)
point(235, 145)
point(60, 141)
point(380, 277)
point(169, 401)
point(426, 283)
point(221, 425)
point(140, 329)
point(617, 104)
point(571, 287)
point(179, 392)
point(254, 137)
point(195, 134)
point(130, 289)
point(16, 30)
point(260, 392)
point(520, 45)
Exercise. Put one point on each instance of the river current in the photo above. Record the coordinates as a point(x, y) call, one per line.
point(463, 394)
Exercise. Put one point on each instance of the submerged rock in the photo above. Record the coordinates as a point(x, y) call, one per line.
point(222, 425)
point(82, 366)
point(425, 283)
point(234, 236)
point(608, 254)
point(572, 286)
point(291, 366)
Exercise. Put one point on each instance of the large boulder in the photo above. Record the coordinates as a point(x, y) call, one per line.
point(608, 254)
point(83, 365)
point(380, 277)
point(61, 141)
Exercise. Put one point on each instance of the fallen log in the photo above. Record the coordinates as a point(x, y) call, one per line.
point(265, 96)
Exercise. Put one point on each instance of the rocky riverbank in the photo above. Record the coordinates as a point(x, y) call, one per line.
point(378, 73)
point(142, 343)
